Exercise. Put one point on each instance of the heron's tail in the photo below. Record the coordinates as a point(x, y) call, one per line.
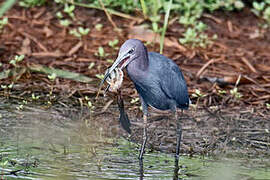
point(124, 120)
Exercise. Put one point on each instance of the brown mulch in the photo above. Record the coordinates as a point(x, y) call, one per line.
point(241, 52)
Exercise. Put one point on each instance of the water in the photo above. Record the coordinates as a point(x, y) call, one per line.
point(44, 144)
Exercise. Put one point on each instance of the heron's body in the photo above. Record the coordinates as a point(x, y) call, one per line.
point(161, 83)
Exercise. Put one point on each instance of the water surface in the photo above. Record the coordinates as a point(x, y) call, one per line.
point(36, 143)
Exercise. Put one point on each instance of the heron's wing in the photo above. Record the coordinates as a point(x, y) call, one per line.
point(174, 85)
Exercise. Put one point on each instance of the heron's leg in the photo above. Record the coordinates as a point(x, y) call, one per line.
point(178, 139)
point(145, 112)
point(144, 136)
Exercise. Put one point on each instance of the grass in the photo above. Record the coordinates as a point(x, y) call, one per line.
point(6, 6)
point(165, 26)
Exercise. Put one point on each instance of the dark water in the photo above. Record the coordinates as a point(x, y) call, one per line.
point(43, 144)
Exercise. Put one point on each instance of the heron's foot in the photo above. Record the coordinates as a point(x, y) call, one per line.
point(176, 167)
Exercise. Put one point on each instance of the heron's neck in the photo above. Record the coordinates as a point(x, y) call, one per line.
point(138, 68)
point(143, 61)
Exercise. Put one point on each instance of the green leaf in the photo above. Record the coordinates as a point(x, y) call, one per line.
point(239, 4)
point(60, 73)
point(6, 6)
point(65, 22)
point(113, 43)
point(101, 52)
point(83, 31)
point(98, 26)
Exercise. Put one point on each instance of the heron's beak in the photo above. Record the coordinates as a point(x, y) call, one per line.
point(121, 59)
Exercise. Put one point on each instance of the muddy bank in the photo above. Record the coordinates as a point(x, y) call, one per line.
point(207, 131)
point(234, 131)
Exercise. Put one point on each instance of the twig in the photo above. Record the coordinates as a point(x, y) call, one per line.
point(35, 40)
point(238, 80)
point(107, 14)
point(47, 54)
point(75, 48)
point(212, 17)
point(106, 106)
point(249, 65)
point(230, 26)
point(205, 66)
point(111, 11)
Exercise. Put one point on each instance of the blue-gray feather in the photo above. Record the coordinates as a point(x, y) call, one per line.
point(162, 85)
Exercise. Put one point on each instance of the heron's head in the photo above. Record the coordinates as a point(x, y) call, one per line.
point(129, 51)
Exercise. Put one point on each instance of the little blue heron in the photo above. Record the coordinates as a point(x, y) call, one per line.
point(158, 80)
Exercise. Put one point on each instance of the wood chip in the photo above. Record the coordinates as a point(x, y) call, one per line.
point(48, 54)
point(75, 48)
point(40, 45)
point(205, 66)
point(25, 49)
point(144, 34)
point(249, 65)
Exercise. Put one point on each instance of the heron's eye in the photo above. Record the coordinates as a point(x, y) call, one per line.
point(131, 51)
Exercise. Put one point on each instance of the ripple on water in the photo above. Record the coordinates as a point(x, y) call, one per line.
point(44, 144)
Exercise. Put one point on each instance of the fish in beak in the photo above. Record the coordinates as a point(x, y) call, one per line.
point(123, 59)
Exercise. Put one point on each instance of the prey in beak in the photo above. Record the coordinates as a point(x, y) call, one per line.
point(114, 80)
point(114, 77)
point(123, 59)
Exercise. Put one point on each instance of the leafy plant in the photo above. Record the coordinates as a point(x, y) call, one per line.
point(35, 97)
point(99, 26)
point(262, 9)
point(79, 32)
point(52, 76)
point(60, 1)
point(196, 36)
point(89, 103)
point(17, 58)
point(69, 10)
point(266, 15)
point(126, 6)
point(59, 15)
point(258, 7)
point(31, 3)
point(10, 86)
point(20, 107)
point(222, 91)
point(65, 22)
point(234, 92)
point(198, 94)
point(100, 76)
point(113, 43)
point(101, 53)
point(83, 31)
point(75, 33)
